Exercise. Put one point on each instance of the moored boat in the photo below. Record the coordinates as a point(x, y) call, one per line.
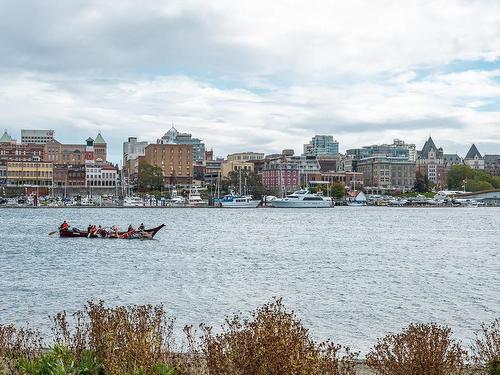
point(302, 199)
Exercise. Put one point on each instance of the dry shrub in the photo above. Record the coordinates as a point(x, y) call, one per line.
point(421, 349)
point(272, 342)
point(486, 347)
point(15, 343)
point(127, 340)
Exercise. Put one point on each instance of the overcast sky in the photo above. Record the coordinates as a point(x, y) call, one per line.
point(254, 75)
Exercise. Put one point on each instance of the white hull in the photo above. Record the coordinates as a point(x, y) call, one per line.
point(249, 204)
point(278, 203)
point(356, 204)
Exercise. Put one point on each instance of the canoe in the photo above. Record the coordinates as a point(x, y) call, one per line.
point(75, 232)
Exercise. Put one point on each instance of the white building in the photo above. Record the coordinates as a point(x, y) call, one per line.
point(100, 176)
point(245, 156)
point(40, 137)
point(132, 149)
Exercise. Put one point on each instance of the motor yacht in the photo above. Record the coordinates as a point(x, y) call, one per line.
point(302, 199)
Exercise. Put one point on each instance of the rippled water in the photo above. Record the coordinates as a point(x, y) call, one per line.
point(351, 274)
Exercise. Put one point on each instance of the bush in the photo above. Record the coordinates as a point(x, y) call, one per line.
point(486, 347)
point(272, 342)
point(60, 361)
point(419, 349)
point(126, 340)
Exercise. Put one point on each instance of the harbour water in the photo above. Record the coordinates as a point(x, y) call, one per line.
point(351, 274)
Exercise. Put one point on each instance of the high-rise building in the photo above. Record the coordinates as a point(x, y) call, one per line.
point(39, 137)
point(175, 161)
point(398, 149)
point(173, 136)
point(322, 145)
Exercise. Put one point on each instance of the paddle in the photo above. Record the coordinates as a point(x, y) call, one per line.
point(52, 233)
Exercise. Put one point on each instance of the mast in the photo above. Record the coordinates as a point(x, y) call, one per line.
point(240, 181)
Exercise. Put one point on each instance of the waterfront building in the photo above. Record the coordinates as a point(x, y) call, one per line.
point(11, 151)
point(235, 166)
point(430, 163)
point(473, 158)
point(451, 160)
point(387, 173)
point(59, 153)
point(100, 176)
point(352, 180)
point(132, 150)
point(69, 176)
point(173, 136)
point(213, 170)
point(398, 149)
point(245, 156)
point(29, 174)
point(175, 161)
point(492, 164)
point(281, 176)
point(321, 145)
point(40, 137)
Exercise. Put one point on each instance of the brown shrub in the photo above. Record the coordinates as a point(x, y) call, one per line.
point(486, 347)
point(272, 342)
point(127, 340)
point(15, 343)
point(421, 349)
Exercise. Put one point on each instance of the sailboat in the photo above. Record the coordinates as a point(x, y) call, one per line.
point(359, 199)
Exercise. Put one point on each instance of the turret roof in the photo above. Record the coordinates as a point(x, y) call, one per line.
point(473, 151)
point(6, 138)
point(99, 140)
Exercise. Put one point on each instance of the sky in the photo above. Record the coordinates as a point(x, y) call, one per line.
point(254, 75)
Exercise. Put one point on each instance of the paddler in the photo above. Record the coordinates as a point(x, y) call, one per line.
point(64, 225)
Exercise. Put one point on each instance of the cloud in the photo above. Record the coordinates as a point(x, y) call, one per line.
point(234, 119)
point(253, 75)
point(311, 40)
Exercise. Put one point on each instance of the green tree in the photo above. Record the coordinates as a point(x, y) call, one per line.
point(337, 190)
point(422, 183)
point(474, 180)
point(150, 177)
point(251, 183)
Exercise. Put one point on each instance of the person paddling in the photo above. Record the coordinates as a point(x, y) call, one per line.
point(64, 225)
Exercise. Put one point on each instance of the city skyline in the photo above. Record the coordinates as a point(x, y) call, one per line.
point(255, 76)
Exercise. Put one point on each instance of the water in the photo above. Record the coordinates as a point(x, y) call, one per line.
point(351, 274)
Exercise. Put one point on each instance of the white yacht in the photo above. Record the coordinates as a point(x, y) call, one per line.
point(238, 201)
point(176, 199)
point(302, 199)
point(133, 201)
point(194, 199)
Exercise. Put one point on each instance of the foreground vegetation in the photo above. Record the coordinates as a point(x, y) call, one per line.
point(138, 340)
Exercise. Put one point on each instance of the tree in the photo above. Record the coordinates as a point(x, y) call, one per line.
point(337, 190)
point(250, 183)
point(150, 177)
point(422, 183)
point(474, 180)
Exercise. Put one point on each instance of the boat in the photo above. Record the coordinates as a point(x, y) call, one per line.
point(302, 199)
point(133, 201)
point(233, 200)
point(194, 198)
point(176, 200)
point(103, 233)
